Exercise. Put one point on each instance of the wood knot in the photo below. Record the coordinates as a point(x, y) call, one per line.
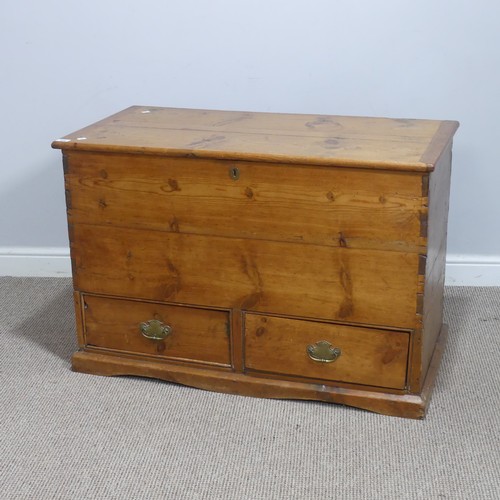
point(331, 143)
point(342, 241)
point(174, 225)
point(172, 269)
point(102, 203)
point(346, 308)
point(249, 193)
point(389, 356)
point(250, 301)
point(260, 331)
point(174, 185)
point(330, 196)
point(382, 198)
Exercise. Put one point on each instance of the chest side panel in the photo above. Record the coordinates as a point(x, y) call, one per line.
point(435, 262)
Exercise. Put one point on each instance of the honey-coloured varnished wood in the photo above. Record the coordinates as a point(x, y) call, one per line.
point(309, 204)
point(349, 285)
point(364, 355)
point(381, 143)
point(197, 335)
point(262, 254)
point(400, 405)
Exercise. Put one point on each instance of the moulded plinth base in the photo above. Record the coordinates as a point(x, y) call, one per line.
point(401, 405)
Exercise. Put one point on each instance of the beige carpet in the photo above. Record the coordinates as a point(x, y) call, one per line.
point(74, 436)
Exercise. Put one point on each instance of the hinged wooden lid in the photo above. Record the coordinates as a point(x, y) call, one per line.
point(382, 143)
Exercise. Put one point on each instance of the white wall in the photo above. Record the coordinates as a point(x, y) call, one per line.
point(66, 64)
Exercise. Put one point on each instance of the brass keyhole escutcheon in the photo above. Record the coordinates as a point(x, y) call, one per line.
point(323, 352)
point(234, 173)
point(155, 330)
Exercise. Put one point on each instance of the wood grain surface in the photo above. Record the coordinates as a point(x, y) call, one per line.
point(336, 207)
point(432, 303)
point(401, 405)
point(254, 235)
point(198, 335)
point(396, 144)
point(368, 356)
point(350, 285)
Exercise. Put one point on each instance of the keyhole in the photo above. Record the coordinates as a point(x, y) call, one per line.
point(234, 173)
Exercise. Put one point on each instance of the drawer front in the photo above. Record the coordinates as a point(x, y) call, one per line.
point(188, 333)
point(324, 206)
point(326, 351)
point(349, 285)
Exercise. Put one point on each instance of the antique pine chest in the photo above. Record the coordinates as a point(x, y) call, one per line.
point(270, 255)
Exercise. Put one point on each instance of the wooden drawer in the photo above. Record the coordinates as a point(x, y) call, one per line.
point(199, 335)
point(366, 356)
point(298, 203)
point(349, 285)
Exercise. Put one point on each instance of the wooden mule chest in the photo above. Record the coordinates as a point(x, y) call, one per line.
point(271, 255)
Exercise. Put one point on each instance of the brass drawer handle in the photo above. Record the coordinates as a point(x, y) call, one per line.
point(323, 352)
point(155, 330)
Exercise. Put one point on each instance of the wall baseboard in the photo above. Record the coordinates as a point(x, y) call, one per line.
point(35, 261)
point(472, 270)
point(461, 270)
